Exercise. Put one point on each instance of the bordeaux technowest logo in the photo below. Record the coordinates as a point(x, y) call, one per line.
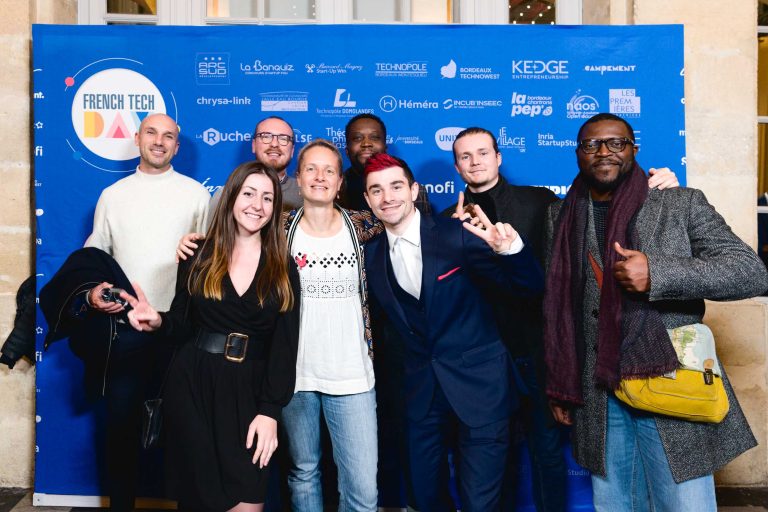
point(107, 108)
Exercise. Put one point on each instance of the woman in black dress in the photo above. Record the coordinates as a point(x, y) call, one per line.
point(236, 308)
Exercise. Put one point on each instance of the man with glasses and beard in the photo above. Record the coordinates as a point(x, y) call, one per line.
point(273, 145)
point(627, 263)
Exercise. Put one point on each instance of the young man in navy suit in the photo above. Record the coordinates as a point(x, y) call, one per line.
point(458, 379)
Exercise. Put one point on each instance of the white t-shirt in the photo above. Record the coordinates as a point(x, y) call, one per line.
point(333, 356)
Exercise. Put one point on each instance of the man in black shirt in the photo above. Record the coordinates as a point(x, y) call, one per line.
point(477, 160)
point(366, 135)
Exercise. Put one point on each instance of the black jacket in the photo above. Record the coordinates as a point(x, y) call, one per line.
point(62, 300)
point(21, 341)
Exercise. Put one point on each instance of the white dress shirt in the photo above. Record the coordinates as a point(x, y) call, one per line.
point(405, 253)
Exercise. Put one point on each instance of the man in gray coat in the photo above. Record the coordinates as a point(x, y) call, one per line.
point(625, 264)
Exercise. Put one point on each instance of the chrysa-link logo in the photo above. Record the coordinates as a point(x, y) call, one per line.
point(108, 108)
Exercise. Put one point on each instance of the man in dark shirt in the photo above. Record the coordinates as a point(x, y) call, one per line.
point(477, 160)
point(366, 135)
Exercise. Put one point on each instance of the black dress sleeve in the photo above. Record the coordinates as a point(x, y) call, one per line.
point(280, 372)
point(177, 325)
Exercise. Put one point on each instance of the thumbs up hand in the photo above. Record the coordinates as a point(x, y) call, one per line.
point(632, 273)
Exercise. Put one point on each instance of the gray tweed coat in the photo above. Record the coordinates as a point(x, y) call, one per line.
point(692, 255)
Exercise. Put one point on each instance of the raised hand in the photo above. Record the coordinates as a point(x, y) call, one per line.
point(143, 316)
point(187, 245)
point(465, 212)
point(499, 236)
point(264, 429)
point(632, 273)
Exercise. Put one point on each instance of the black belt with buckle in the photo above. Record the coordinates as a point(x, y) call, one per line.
point(234, 346)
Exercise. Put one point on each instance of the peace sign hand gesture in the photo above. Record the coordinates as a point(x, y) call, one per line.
point(499, 237)
point(143, 316)
point(465, 212)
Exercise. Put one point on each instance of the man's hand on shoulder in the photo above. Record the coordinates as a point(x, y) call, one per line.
point(187, 246)
point(632, 273)
point(97, 302)
point(662, 178)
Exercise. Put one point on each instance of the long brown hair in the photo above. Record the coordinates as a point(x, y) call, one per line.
point(209, 269)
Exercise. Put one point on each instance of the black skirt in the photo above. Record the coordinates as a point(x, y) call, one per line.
point(209, 403)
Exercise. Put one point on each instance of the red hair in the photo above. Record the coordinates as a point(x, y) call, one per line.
point(381, 161)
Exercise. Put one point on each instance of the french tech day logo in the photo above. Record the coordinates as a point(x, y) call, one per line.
point(107, 109)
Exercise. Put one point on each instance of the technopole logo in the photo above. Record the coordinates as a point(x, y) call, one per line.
point(107, 109)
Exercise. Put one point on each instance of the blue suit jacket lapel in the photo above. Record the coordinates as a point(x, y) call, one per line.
point(378, 278)
point(429, 254)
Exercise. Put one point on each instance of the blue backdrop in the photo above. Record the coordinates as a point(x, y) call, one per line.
point(533, 86)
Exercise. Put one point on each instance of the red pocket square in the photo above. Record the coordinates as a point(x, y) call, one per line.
point(440, 278)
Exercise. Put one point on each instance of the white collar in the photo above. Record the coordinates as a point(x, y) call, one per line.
point(412, 233)
point(146, 175)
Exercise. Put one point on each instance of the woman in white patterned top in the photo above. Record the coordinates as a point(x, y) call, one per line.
point(334, 371)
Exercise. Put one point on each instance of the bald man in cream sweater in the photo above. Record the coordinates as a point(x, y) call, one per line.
point(138, 221)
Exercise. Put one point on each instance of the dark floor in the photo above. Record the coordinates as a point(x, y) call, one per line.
point(730, 500)
point(9, 497)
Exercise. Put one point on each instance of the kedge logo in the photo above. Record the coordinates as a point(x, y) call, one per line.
point(540, 69)
point(108, 108)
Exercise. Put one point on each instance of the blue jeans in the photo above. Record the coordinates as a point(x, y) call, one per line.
point(638, 474)
point(351, 421)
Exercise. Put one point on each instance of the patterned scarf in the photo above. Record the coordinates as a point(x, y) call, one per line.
point(632, 341)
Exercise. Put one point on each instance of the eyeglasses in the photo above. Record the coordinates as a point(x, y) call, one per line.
point(266, 138)
point(591, 146)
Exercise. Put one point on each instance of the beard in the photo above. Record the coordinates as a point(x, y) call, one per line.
point(603, 187)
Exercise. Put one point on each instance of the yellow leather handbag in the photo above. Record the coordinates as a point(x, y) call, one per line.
point(694, 392)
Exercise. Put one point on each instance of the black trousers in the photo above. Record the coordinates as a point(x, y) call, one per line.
point(129, 374)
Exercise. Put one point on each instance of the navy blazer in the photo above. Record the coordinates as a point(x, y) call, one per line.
point(463, 351)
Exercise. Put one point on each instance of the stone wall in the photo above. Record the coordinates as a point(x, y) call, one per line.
point(17, 386)
point(721, 135)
